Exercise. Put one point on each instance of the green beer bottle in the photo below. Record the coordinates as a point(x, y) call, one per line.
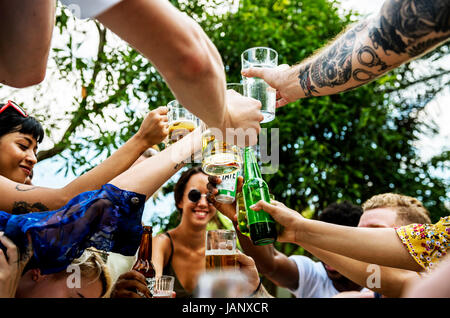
point(261, 224)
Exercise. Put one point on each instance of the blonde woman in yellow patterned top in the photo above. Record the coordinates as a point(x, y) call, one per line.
point(413, 247)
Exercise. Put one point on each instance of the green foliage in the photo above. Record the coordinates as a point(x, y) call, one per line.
point(348, 146)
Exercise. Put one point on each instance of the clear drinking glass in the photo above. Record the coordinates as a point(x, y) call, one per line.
point(181, 121)
point(163, 286)
point(257, 88)
point(220, 250)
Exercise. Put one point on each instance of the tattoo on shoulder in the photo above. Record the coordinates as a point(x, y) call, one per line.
point(22, 207)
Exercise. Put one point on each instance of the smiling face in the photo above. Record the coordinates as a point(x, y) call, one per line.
point(200, 212)
point(17, 156)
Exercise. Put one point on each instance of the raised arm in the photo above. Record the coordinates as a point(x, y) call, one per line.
point(182, 53)
point(20, 198)
point(387, 281)
point(150, 174)
point(379, 246)
point(26, 28)
point(400, 32)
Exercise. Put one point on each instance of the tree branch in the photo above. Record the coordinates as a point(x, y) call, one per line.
point(80, 114)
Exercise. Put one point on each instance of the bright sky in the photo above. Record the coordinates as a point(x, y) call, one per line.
point(45, 172)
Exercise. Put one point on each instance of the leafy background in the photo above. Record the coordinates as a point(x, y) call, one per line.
point(347, 146)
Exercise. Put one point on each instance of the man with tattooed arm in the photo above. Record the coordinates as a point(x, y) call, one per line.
point(401, 31)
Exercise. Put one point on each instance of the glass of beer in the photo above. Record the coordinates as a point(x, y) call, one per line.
point(257, 88)
point(181, 121)
point(163, 287)
point(218, 157)
point(221, 250)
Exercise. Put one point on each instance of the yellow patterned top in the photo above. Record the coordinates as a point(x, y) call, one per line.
point(427, 243)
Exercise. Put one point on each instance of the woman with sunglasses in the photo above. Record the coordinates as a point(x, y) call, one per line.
point(181, 251)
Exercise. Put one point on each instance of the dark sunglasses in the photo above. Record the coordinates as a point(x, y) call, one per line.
point(18, 108)
point(195, 195)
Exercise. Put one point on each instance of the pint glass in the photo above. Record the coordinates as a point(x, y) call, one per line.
point(221, 250)
point(257, 88)
point(218, 157)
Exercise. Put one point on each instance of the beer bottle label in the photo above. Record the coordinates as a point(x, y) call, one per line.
point(228, 184)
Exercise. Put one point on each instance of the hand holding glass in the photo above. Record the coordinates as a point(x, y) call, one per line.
point(257, 88)
point(218, 157)
point(181, 121)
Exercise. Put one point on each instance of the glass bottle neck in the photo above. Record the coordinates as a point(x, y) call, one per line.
point(145, 249)
point(251, 170)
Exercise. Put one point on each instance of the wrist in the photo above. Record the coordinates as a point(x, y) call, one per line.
point(257, 289)
point(292, 82)
point(301, 232)
point(140, 143)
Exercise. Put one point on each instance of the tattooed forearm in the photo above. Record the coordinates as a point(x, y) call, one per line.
point(22, 207)
point(332, 67)
point(368, 58)
point(305, 81)
point(403, 29)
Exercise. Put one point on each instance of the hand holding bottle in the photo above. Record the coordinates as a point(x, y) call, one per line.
point(290, 219)
point(131, 284)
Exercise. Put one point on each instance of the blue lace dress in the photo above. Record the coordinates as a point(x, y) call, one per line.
point(108, 219)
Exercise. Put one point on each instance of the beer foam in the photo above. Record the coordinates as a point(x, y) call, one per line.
point(182, 121)
point(220, 252)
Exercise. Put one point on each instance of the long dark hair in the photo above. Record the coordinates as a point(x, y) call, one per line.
point(11, 121)
point(180, 186)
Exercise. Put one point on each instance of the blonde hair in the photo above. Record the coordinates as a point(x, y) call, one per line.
point(93, 266)
point(409, 210)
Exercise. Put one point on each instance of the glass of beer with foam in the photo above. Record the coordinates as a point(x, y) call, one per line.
point(221, 250)
point(181, 121)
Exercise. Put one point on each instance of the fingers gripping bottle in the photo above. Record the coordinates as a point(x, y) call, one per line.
point(261, 224)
